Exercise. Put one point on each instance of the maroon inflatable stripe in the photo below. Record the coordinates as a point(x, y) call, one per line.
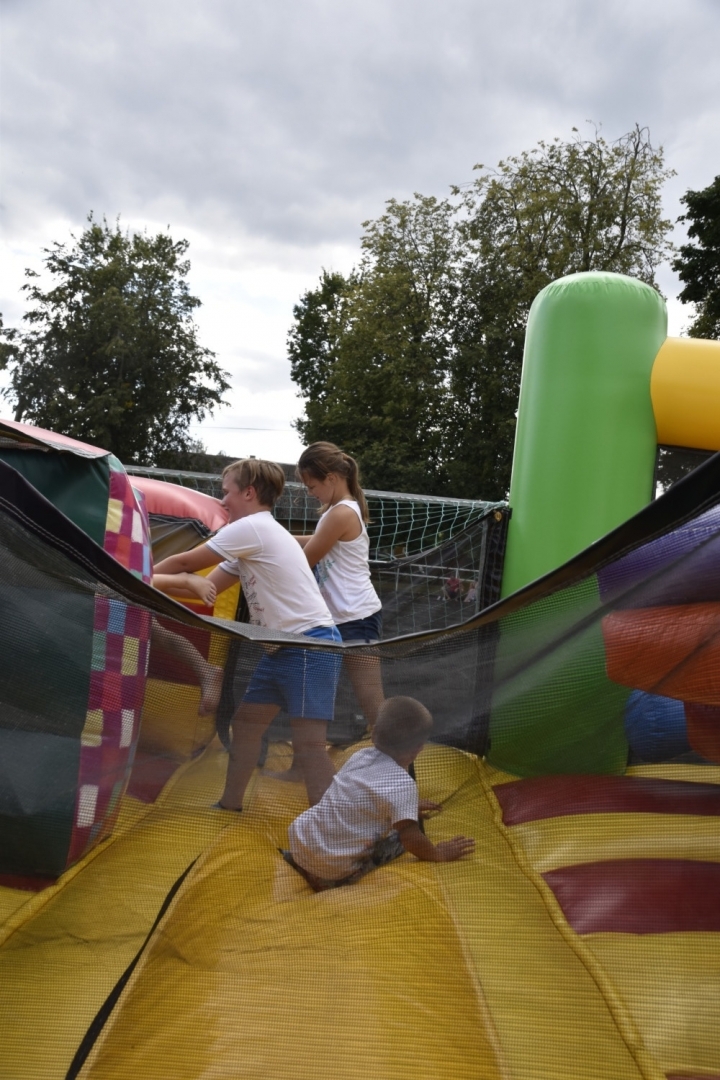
point(557, 796)
point(24, 881)
point(639, 896)
point(150, 773)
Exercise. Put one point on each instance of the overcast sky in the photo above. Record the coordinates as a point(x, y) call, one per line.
point(266, 131)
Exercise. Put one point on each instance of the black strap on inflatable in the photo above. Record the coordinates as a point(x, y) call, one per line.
point(93, 1032)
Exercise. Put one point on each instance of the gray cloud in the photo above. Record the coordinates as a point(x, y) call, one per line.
point(291, 118)
point(268, 130)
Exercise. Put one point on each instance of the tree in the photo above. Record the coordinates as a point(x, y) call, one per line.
point(420, 371)
point(8, 346)
point(558, 209)
point(374, 374)
point(698, 265)
point(111, 353)
point(312, 341)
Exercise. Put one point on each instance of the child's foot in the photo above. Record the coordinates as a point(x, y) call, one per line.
point(210, 689)
point(293, 775)
point(232, 809)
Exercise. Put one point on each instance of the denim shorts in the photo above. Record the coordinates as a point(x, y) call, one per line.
point(382, 852)
point(367, 629)
point(301, 681)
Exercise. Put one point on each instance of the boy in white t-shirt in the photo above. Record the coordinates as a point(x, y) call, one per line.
point(281, 594)
point(370, 813)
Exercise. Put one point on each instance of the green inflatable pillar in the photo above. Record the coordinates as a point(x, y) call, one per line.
point(585, 443)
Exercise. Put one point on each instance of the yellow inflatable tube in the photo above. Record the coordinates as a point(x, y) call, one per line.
point(685, 392)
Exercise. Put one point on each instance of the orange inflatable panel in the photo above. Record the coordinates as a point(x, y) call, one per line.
point(673, 651)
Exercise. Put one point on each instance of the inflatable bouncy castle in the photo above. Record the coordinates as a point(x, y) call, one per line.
point(576, 715)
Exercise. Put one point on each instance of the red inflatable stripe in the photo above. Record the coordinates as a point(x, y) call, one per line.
point(639, 896)
point(557, 796)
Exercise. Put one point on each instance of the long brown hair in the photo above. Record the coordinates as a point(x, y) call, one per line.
point(322, 458)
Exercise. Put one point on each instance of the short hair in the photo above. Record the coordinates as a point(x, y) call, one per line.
point(402, 724)
point(266, 477)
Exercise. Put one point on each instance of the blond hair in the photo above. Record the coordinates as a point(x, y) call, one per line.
point(403, 724)
point(322, 458)
point(266, 477)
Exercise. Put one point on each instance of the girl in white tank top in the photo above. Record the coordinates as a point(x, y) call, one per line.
point(343, 573)
point(339, 549)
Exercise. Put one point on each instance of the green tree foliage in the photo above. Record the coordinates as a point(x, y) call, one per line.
point(698, 264)
point(374, 373)
point(423, 345)
point(8, 344)
point(561, 208)
point(312, 341)
point(110, 354)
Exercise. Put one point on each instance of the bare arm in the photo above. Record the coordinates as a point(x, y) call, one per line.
point(188, 562)
point(418, 844)
point(186, 585)
point(199, 559)
point(221, 579)
point(341, 523)
point(303, 540)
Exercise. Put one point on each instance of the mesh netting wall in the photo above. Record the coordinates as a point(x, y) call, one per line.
point(576, 739)
point(434, 562)
point(400, 525)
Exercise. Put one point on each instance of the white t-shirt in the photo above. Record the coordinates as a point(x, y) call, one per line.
point(369, 795)
point(278, 584)
point(344, 575)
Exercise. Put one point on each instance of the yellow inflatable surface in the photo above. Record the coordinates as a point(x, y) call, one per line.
point(185, 947)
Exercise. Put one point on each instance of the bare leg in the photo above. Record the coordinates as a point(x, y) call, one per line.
point(208, 675)
point(293, 775)
point(211, 684)
point(366, 678)
point(248, 727)
point(312, 757)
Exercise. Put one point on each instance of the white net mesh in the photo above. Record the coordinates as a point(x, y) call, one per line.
point(400, 524)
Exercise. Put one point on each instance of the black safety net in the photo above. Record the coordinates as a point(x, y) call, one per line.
point(576, 737)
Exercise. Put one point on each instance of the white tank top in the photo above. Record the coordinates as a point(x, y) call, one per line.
point(344, 575)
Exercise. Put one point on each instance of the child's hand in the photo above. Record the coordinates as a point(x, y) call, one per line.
point(457, 848)
point(202, 588)
point(426, 807)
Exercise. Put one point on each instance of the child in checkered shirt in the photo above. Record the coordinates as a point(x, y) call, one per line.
point(371, 812)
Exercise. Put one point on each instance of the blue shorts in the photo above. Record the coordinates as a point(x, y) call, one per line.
point(301, 681)
point(367, 629)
